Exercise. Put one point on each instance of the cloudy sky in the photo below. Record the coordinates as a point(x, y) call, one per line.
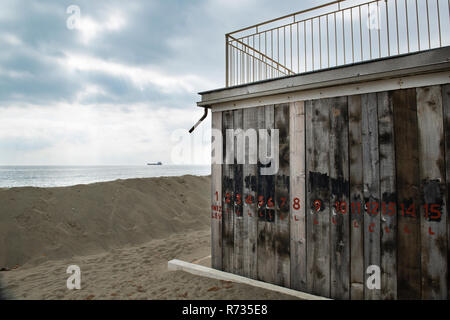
point(121, 87)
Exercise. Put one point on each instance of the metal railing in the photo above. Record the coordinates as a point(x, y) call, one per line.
point(334, 34)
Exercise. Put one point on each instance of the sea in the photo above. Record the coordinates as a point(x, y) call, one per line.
point(62, 176)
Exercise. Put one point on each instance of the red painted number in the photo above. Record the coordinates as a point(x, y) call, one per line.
point(296, 204)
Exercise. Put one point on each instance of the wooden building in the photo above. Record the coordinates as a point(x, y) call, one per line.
point(362, 182)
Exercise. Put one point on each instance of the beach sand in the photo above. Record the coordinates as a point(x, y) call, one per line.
point(121, 234)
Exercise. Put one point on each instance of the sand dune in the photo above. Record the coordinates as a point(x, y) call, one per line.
point(38, 224)
point(121, 234)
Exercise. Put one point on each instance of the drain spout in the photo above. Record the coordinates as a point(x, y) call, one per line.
point(200, 121)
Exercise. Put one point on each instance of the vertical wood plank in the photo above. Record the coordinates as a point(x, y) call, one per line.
point(298, 196)
point(388, 228)
point(371, 173)
point(269, 118)
point(356, 199)
point(250, 192)
point(216, 199)
point(281, 199)
point(266, 190)
point(407, 176)
point(318, 195)
point(446, 106)
point(339, 200)
point(432, 176)
point(238, 221)
point(228, 193)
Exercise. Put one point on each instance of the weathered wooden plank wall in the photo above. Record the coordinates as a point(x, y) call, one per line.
point(298, 196)
point(281, 200)
point(362, 182)
point(432, 192)
point(249, 193)
point(371, 174)
point(318, 197)
point(216, 194)
point(266, 213)
point(357, 199)
point(339, 199)
point(388, 199)
point(228, 193)
point(446, 106)
point(407, 175)
point(238, 221)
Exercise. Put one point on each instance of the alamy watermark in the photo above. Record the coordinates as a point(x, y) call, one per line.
point(233, 146)
point(373, 281)
point(247, 147)
point(73, 21)
point(74, 281)
point(373, 21)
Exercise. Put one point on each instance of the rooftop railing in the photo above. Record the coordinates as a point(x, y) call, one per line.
point(335, 34)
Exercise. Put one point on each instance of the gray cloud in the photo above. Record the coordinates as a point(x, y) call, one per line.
point(178, 37)
point(153, 54)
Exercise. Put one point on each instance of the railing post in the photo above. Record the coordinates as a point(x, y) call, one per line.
point(226, 62)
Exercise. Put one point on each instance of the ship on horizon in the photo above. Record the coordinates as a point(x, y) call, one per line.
point(159, 163)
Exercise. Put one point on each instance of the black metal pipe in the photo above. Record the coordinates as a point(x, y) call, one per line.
point(199, 121)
